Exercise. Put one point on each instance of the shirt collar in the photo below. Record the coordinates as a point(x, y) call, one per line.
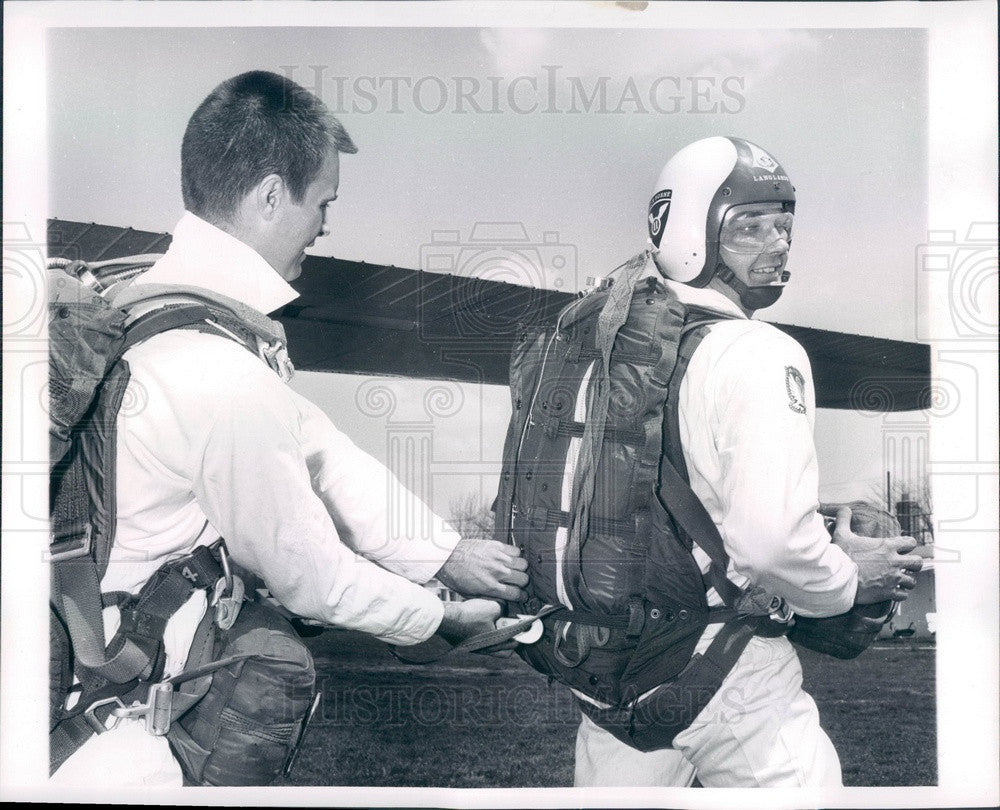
point(706, 298)
point(205, 256)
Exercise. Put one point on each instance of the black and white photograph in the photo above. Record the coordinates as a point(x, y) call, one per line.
point(488, 404)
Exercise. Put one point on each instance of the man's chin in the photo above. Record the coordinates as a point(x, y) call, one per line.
point(291, 272)
point(294, 270)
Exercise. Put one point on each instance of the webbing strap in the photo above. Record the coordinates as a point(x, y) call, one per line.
point(163, 320)
point(727, 646)
point(69, 735)
point(691, 516)
point(674, 491)
point(141, 295)
point(480, 641)
point(73, 730)
point(145, 618)
point(179, 307)
point(76, 595)
point(677, 703)
point(611, 319)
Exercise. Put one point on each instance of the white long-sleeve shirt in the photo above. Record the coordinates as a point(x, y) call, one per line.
point(212, 443)
point(746, 409)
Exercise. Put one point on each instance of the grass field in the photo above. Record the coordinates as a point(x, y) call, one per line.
point(477, 721)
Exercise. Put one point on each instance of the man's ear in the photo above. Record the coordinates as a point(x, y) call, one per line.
point(269, 195)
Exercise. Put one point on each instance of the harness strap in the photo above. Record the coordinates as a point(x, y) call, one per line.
point(480, 641)
point(493, 638)
point(597, 524)
point(692, 518)
point(165, 592)
point(76, 597)
point(618, 621)
point(142, 295)
point(145, 617)
point(73, 729)
point(558, 427)
point(674, 491)
point(82, 540)
point(163, 320)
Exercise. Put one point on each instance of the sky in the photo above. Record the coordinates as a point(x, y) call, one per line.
point(560, 132)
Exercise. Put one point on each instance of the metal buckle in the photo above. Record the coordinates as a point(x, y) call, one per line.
point(155, 711)
point(227, 598)
point(226, 570)
point(275, 354)
point(75, 546)
point(780, 612)
point(531, 634)
point(755, 601)
point(227, 608)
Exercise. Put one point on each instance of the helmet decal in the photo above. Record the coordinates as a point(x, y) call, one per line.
point(659, 210)
point(762, 159)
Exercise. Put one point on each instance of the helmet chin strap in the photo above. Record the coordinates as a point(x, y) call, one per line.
point(752, 297)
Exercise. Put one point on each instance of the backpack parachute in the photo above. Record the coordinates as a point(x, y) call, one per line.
point(593, 491)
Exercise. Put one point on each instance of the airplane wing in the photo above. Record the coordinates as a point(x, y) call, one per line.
point(361, 318)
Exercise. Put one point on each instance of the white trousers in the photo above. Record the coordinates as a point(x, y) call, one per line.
point(759, 730)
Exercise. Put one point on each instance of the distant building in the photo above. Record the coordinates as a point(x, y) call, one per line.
point(916, 523)
point(916, 616)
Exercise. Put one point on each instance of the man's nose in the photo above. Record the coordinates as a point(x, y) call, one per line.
point(778, 239)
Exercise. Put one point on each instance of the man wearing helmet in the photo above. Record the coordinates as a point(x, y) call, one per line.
point(720, 223)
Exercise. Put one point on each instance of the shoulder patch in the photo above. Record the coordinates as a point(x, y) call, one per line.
point(795, 385)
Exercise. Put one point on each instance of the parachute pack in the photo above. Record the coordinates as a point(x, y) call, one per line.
point(222, 726)
point(594, 492)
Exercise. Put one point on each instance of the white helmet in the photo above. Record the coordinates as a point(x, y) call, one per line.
point(696, 188)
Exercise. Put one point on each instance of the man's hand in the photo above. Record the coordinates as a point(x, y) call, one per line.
point(462, 620)
point(485, 568)
point(885, 569)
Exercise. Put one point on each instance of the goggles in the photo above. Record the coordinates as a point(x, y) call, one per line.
point(751, 229)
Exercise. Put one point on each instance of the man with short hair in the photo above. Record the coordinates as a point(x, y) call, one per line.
point(221, 447)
